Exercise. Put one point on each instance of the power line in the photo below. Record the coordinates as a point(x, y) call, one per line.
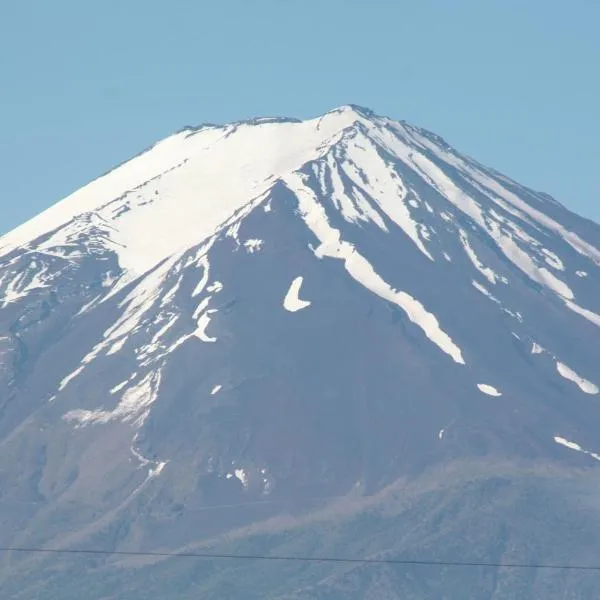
point(313, 559)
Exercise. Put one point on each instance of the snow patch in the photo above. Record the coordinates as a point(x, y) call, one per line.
point(586, 386)
point(203, 323)
point(488, 389)
point(133, 407)
point(573, 446)
point(215, 287)
point(292, 302)
point(482, 289)
point(69, 378)
point(253, 245)
point(119, 387)
point(216, 390)
point(592, 317)
point(242, 476)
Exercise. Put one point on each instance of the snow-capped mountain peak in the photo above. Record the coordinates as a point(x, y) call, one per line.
point(274, 313)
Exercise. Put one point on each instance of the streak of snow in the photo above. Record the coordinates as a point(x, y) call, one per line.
point(292, 301)
point(157, 470)
point(495, 189)
point(119, 387)
point(233, 231)
point(203, 262)
point(553, 260)
point(171, 293)
point(356, 206)
point(488, 273)
point(573, 446)
point(434, 176)
point(484, 291)
point(216, 389)
point(539, 274)
point(69, 378)
point(170, 322)
point(592, 317)
point(142, 460)
point(389, 194)
point(570, 237)
point(86, 307)
point(362, 271)
point(581, 274)
point(586, 386)
point(133, 406)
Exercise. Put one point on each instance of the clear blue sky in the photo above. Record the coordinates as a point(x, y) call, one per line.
point(85, 85)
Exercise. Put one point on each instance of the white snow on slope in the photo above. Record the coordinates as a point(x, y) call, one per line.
point(592, 317)
point(503, 197)
point(203, 322)
point(523, 261)
point(485, 271)
point(292, 301)
point(119, 387)
point(387, 189)
point(483, 290)
point(553, 260)
point(434, 176)
point(215, 287)
point(242, 476)
point(253, 245)
point(488, 389)
point(573, 446)
point(65, 382)
point(136, 306)
point(586, 386)
point(362, 271)
point(133, 407)
point(179, 191)
point(353, 204)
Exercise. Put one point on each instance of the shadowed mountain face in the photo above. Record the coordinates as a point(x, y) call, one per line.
point(336, 337)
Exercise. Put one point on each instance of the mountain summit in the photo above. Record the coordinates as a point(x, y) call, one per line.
point(333, 337)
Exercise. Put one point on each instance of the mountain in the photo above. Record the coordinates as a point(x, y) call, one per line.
point(337, 337)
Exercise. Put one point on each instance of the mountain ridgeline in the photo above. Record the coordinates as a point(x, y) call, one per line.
point(337, 337)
